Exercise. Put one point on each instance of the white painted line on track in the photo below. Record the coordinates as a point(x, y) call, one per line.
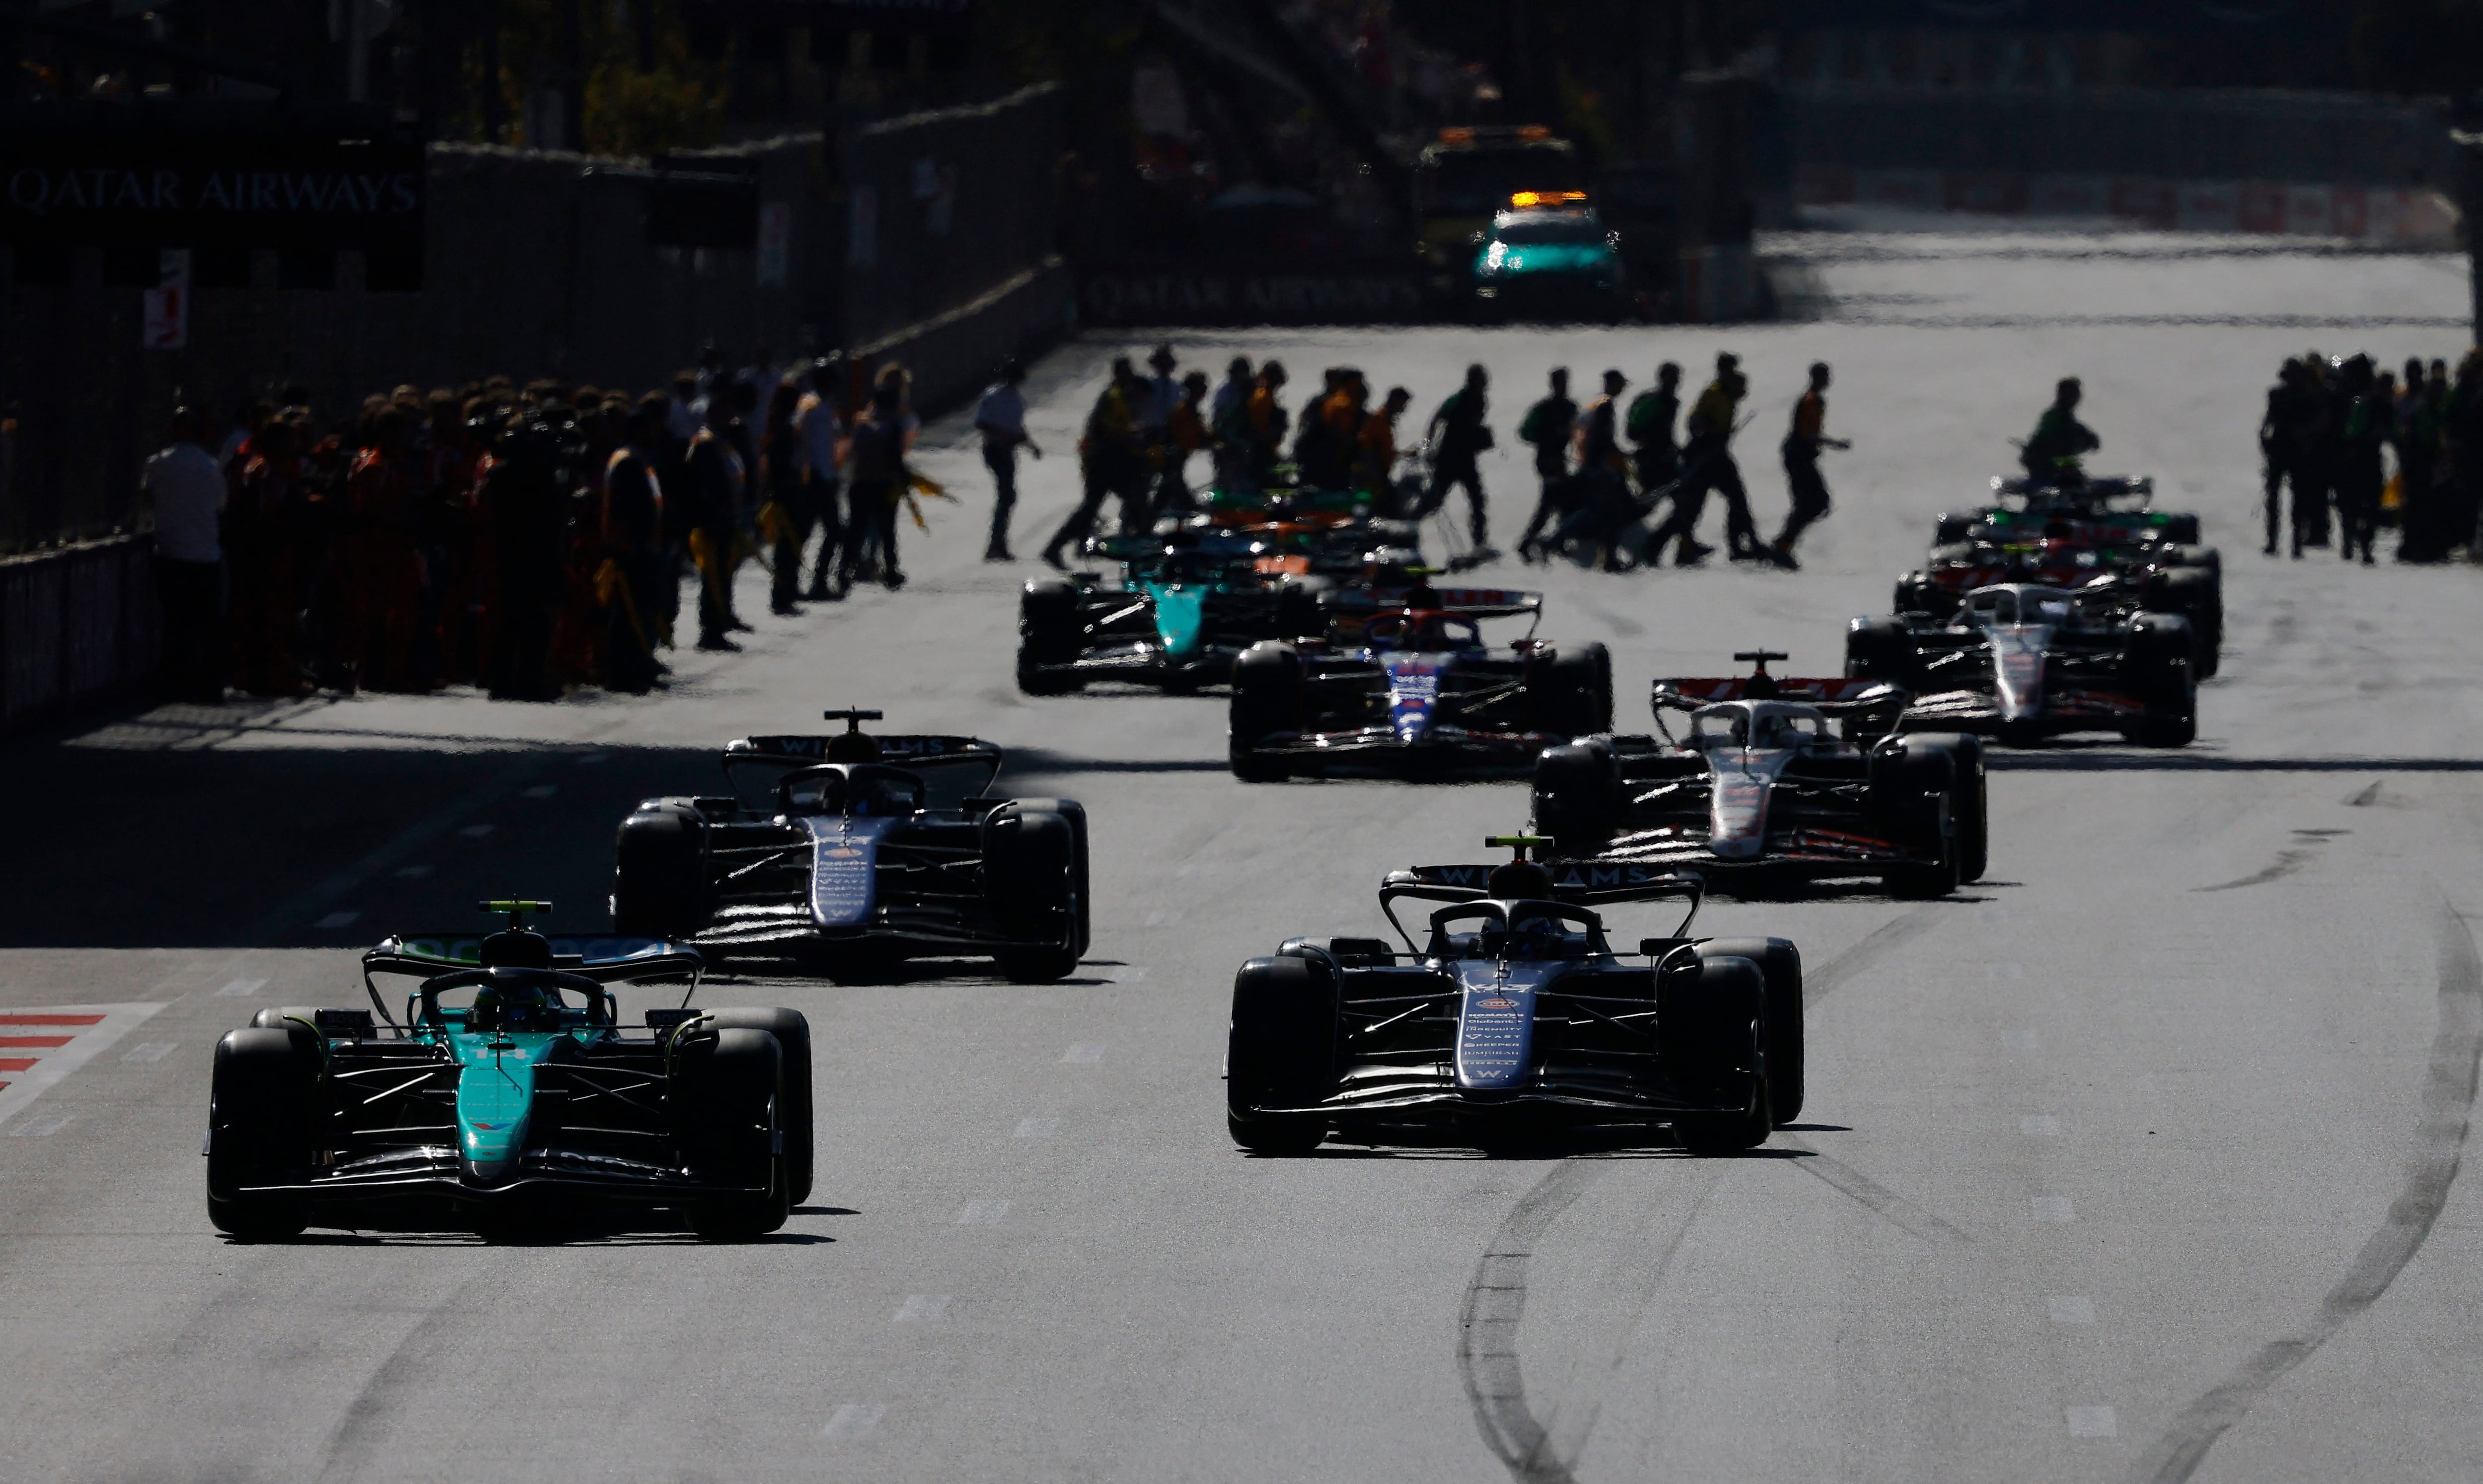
point(982, 1213)
point(41, 1127)
point(150, 1052)
point(1037, 1127)
point(2038, 1125)
point(2068, 1309)
point(338, 919)
point(854, 1419)
point(541, 791)
point(2093, 1422)
point(2052, 1208)
point(921, 1308)
point(1084, 1052)
point(240, 988)
point(475, 832)
point(2017, 1040)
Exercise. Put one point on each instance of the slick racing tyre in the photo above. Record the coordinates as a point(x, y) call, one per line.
point(260, 1108)
point(1049, 635)
point(2196, 594)
point(1280, 1053)
point(1711, 1029)
point(1970, 814)
point(792, 1035)
point(1267, 699)
point(1302, 608)
point(727, 1091)
point(1881, 650)
point(1779, 965)
point(1570, 689)
point(1035, 883)
point(1577, 797)
point(1919, 594)
point(2181, 529)
point(659, 885)
point(1912, 784)
point(2155, 665)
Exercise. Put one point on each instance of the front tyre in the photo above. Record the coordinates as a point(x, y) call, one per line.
point(1280, 1054)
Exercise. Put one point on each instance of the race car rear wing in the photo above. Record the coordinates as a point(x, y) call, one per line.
point(902, 752)
point(1467, 602)
point(603, 960)
point(1834, 696)
point(1584, 882)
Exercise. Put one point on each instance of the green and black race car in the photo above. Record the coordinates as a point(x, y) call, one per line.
point(510, 1098)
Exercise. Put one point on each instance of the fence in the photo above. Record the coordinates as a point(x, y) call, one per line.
point(78, 624)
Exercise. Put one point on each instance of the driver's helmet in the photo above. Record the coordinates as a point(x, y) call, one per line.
point(1771, 729)
point(518, 1006)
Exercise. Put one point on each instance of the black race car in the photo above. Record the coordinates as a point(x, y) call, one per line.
point(1420, 692)
point(857, 852)
point(510, 1097)
point(2022, 662)
point(1514, 1014)
point(1765, 788)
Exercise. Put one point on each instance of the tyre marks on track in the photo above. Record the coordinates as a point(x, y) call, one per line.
point(1543, 1447)
point(2440, 1143)
point(1537, 1452)
point(1487, 1328)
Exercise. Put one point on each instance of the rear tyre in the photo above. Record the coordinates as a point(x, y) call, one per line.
point(1970, 811)
point(1711, 1027)
point(1267, 699)
point(1048, 634)
point(2156, 666)
point(792, 1033)
point(1280, 1052)
point(660, 876)
point(1881, 650)
point(1571, 690)
point(1577, 798)
point(1780, 972)
point(2197, 594)
point(260, 1133)
point(1911, 785)
point(1302, 609)
point(728, 1088)
point(1034, 882)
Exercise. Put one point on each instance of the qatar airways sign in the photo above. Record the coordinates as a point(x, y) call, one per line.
point(193, 192)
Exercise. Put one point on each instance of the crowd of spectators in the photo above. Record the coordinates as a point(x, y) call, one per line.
point(521, 539)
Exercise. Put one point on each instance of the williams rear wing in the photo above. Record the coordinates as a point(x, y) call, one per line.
point(1581, 882)
point(1832, 697)
point(902, 752)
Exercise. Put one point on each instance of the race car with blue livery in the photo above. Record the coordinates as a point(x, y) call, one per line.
point(1419, 693)
point(1767, 788)
point(510, 1098)
point(2022, 662)
point(1514, 1016)
point(850, 854)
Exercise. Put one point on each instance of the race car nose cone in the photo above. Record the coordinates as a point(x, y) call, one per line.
point(488, 1173)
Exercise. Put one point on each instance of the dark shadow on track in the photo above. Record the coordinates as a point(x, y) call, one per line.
point(2072, 761)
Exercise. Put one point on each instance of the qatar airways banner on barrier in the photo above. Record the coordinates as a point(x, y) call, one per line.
point(2401, 216)
point(254, 191)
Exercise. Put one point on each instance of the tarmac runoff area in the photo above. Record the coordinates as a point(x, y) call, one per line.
point(2138, 1160)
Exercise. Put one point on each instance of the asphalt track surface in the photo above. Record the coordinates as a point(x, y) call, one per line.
point(2136, 1161)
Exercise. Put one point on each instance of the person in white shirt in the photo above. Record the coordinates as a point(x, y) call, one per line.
point(821, 428)
point(1000, 418)
point(186, 492)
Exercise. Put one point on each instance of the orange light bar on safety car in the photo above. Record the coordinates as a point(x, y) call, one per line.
point(1525, 199)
